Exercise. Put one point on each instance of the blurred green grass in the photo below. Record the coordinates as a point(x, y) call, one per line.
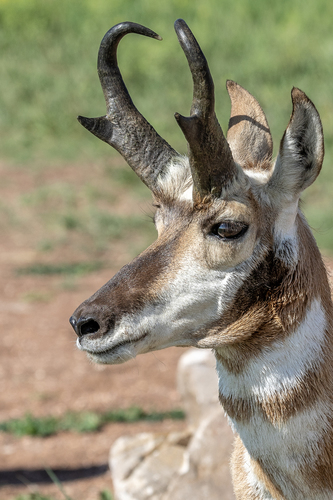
point(48, 73)
point(83, 421)
point(103, 495)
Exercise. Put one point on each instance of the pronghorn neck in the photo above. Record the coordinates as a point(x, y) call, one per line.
point(277, 390)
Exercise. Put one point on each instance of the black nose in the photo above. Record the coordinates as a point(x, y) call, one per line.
point(73, 322)
point(83, 326)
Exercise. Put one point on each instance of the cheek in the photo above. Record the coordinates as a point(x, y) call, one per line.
point(224, 255)
point(189, 302)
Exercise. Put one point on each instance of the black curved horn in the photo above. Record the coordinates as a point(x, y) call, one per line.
point(123, 127)
point(211, 160)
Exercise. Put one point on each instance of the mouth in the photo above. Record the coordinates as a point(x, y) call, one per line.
point(112, 350)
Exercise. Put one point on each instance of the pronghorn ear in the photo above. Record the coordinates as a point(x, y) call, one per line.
point(248, 135)
point(301, 150)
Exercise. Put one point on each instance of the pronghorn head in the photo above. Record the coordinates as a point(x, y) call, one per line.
point(229, 227)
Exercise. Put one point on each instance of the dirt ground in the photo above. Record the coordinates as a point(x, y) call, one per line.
point(42, 372)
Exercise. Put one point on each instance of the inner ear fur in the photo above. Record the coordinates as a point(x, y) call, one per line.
point(248, 135)
point(301, 151)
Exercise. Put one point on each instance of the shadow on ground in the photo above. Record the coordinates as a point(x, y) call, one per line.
point(40, 476)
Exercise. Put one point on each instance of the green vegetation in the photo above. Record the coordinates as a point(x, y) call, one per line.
point(49, 50)
point(68, 211)
point(76, 269)
point(33, 496)
point(83, 421)
point(104, 495)
point(48, 76)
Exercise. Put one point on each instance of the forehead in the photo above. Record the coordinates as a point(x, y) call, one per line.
point(238, 206)
point(241, 203)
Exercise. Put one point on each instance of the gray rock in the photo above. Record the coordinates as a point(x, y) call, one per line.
point(128, 452)
point(197, 384)
point(142, 466)
point(205, 470)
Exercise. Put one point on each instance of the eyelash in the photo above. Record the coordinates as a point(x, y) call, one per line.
point(235, 230)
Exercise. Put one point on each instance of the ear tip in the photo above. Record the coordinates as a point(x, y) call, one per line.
point(238, 92)
point(231, 83)
point(232, 87)
point(298, 96)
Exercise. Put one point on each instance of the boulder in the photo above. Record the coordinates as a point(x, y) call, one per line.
point(142, 466)
point(197, 384)
point(206, 471)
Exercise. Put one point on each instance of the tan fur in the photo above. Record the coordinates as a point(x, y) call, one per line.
point(244, 490)
point(320, 471)
point(249, 136)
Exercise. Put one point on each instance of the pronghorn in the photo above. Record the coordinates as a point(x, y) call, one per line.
point(235, 269)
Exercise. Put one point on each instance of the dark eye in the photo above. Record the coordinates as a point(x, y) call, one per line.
point(230, 230)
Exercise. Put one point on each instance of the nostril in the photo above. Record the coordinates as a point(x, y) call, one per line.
point(86, 326)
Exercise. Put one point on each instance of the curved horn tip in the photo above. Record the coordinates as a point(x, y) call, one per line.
point(179, 24)
point(121, 29)
point(183, 32)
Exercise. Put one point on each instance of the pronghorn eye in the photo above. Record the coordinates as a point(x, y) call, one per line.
point(230, 230)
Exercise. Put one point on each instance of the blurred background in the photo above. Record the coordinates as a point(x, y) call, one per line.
point(72, 213)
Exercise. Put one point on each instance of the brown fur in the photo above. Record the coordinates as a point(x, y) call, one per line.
point(244, 490)
point(272, 302)
point(278, 409)
point(320, 472)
